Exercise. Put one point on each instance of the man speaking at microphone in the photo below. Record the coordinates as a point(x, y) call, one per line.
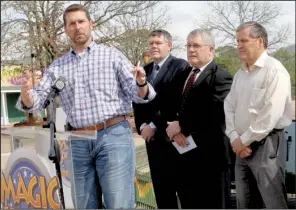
point(98, 95)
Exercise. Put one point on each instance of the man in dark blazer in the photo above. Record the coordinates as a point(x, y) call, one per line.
point(204, 177)
point(167, 74)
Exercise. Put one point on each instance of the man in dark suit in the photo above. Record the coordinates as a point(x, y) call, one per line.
point(167, 74)
point(204, 176)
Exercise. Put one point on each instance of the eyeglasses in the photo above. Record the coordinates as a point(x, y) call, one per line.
point(157, 43)
point(195, 46)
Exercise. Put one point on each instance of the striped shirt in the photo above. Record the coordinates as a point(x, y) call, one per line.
point(99, 86)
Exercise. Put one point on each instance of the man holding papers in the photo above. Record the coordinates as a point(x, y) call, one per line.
point(204, 167)
point(167, 75)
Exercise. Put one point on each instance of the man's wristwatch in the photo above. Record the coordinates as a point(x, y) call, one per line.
point(142, 84)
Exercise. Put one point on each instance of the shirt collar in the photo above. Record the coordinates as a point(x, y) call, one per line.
point(161, 63)
point(203, 68)
point(259, 62)
point(89, 48)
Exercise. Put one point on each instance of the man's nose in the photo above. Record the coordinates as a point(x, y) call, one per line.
point(154, 45)
point(239, 45)
point(78, 25)
point(190, 49)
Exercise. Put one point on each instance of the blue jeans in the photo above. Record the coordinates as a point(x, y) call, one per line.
point(111, 159)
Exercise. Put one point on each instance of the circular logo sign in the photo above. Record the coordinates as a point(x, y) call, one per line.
point(26, 183)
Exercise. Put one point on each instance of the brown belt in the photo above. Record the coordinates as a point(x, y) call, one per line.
point(101, 126)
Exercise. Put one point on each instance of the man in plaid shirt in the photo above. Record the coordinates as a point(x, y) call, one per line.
point(98, 95)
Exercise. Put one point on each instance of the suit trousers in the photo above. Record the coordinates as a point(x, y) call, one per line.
point(162, 157)
point(198, 183)
point(203, 183)
point(260, 178)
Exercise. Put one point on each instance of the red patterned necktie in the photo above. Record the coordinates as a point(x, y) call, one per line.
point(188, 86)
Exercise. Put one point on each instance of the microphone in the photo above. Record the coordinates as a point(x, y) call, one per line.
point(58, 85)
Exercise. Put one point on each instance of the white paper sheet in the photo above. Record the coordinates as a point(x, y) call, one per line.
point(60, 119)
point(190, 145)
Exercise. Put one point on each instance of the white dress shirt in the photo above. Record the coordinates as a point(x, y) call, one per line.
point(201, 69)
point(259, 100)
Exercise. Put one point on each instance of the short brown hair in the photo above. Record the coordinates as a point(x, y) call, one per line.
point(161, 32)
point(74, 8)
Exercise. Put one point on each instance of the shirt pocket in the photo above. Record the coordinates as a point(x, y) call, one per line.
point(257, 99)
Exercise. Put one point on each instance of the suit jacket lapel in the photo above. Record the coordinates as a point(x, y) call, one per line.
point(162, 71)
point(148, 70)
point(204, 74)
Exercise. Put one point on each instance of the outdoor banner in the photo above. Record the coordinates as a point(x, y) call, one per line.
point(28, 183)
point(14, 76)
point(29, 179)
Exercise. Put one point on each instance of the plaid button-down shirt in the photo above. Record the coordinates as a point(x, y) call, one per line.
point(99, 86)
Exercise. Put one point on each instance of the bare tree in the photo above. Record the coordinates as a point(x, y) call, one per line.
point(135, 31)
point(37, 26)
point(9, 42)
point(224, 17)
point(178, 45)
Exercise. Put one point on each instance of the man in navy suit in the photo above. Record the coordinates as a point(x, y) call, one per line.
point(167, 74)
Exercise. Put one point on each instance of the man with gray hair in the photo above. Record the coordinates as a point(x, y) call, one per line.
point(257, 110)
point(204, 170)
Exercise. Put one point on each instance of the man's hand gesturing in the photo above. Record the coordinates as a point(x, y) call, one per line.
point(26, 95)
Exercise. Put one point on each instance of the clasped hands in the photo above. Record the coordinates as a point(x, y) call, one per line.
point(174, 133)
point(240, 149)
point(147, 133)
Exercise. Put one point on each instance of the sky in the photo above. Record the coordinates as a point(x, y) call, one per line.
point(184, 13)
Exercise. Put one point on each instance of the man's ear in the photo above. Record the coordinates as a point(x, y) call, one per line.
point(65, 29)
point(170, 46)
point(212, 48)
point(91, 23)
point(261, 42)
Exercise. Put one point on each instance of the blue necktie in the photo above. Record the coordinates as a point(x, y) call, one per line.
point(153, 74)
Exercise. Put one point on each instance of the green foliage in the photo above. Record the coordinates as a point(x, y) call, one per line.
point(228, 59)
point(230, 64)
point(288, 60)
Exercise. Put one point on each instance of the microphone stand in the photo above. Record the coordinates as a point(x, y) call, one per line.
point(54, 151)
